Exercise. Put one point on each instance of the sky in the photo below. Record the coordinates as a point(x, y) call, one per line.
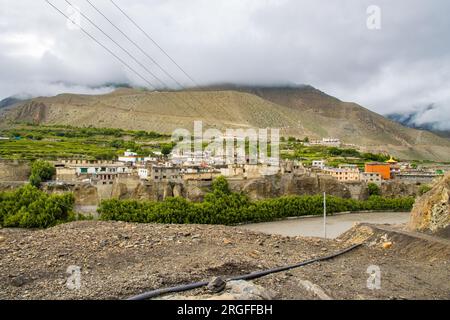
point(389, 56)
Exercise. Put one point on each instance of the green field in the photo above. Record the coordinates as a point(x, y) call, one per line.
point(295, 150)
point(55, 142)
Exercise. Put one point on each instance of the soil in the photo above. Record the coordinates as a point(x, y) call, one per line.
point(119, 260)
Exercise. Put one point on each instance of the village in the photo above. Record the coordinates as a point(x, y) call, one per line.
point(204, 166)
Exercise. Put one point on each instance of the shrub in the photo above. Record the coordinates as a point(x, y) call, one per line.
point(28, 207)
point(374, 189)
point(424, 189)
point(221, 206)
point(41, 171)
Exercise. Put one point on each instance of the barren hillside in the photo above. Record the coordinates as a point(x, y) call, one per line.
point(300, 111)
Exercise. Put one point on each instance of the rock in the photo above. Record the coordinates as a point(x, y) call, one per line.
point(18, 281)
point(177, 191)
point(431, 212)
point(227, 241)
point(234, 290)
point(216, 285)
point(243, 290)
point(387, 245)
point(2, 239)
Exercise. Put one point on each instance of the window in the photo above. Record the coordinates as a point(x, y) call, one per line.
point(84, 170)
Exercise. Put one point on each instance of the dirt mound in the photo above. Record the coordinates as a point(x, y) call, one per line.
point(411, 245)
point(431, 212)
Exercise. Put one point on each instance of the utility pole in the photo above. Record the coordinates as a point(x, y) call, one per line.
point(325, 215)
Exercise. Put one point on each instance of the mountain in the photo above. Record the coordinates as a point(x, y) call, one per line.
point(411, 119)
point(9, 102)
point(297, 110)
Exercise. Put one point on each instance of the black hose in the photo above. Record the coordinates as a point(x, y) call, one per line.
point(249, 276)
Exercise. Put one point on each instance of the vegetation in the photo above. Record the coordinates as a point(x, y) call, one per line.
point(222, 206)
point(424, 189)
point(41, 171)
point(32, 142)
point(167, 148)
point(296, 150)
point(374, 190)
point(28, 207)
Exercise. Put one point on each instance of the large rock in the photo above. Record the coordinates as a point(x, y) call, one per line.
point(431, 212)
point(234, 290)
point(86, 194)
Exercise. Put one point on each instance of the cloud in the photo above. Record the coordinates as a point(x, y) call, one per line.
point(401, 67)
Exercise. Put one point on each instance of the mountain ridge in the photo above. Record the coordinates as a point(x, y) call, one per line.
point(298, 111)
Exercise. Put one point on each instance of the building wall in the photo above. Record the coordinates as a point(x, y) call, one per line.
point(202, 176)
point(344, 175)
point(371, 177)
point(383, 169)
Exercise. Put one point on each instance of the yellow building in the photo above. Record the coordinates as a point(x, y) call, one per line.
point(345, 173)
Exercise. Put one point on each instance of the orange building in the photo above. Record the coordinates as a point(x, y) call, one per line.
point(384, 169)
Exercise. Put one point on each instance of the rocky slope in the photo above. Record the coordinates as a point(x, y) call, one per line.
point(297, 111)
point(431, 212)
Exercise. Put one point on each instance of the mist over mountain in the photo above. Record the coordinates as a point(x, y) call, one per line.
point(419, 119)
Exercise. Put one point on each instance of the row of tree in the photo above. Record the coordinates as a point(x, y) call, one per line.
point(29, 207)
point(222, 206)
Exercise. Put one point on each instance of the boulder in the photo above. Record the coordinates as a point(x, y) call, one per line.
point(234, 290)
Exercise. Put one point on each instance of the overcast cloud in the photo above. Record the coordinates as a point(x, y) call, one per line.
point(403, 66)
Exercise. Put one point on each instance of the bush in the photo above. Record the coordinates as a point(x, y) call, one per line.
point(221, 206)
point(424, 189)
point(41, 171)
point(28, 207)
point(374, 189)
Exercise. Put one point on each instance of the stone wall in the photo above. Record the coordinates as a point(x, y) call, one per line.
point(14, 170)
point(257, 189)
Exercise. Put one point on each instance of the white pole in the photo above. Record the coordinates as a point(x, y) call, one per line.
point(325, 215)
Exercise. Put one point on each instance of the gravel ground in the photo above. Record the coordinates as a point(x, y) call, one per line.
point(118, 260)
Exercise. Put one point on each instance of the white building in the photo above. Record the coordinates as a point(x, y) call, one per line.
point(143, 173)
point(320, 164)
point(328, 142)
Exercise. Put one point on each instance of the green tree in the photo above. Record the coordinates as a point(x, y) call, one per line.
point(41, 171)
point(374, 190)
point(166, 149)
point(220, 186)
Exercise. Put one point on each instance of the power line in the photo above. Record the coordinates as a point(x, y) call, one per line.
point(117, 44)
point(135, 44)
point(102, 45)
point(155, 43)
point(145, 53)
point(170, 98)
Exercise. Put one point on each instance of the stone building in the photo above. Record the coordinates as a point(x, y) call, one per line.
point(371, 177)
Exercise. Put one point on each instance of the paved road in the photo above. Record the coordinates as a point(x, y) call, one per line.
point(336, 225)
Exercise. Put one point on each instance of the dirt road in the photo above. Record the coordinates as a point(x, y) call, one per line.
point(335, 226)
